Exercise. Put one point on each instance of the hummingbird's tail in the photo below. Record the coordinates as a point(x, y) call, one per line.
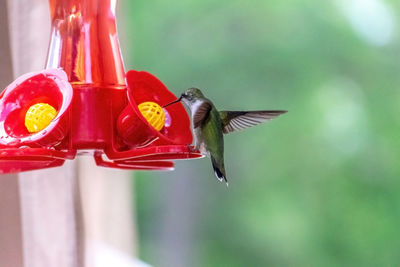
point(219, 170)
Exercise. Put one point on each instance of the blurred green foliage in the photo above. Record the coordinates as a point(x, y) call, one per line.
point(318, 186)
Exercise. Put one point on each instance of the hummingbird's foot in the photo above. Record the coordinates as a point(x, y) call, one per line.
point(191, 148)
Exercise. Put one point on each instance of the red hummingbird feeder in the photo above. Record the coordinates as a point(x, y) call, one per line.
point(85, 103)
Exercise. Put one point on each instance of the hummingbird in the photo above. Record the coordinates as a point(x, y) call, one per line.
point(209, 126)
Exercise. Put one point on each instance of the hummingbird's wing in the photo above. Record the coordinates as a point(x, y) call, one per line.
point(238, 120)
point(201, 113)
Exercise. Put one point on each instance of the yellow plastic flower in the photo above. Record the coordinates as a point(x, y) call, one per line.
point(39, 117)
point(153, 113)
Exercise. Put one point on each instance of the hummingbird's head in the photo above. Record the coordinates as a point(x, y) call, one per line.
point(188, 97)
point(191, 95)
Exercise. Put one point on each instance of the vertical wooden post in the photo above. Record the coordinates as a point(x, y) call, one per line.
point(41, 216)
point(10, 219)
point(10, 222)
point(50, 209)
point(108, 208)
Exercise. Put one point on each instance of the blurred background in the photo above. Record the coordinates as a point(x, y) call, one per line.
point(319, 186)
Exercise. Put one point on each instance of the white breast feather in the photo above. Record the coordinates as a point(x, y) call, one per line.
point(197, 132)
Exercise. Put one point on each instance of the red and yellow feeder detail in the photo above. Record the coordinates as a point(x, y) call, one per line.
point(153, 113)
point(39, 117)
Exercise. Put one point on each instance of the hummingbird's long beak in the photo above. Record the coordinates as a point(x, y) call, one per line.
point(173, 102)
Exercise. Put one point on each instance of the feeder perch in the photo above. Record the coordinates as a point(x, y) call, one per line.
point(85, 103)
